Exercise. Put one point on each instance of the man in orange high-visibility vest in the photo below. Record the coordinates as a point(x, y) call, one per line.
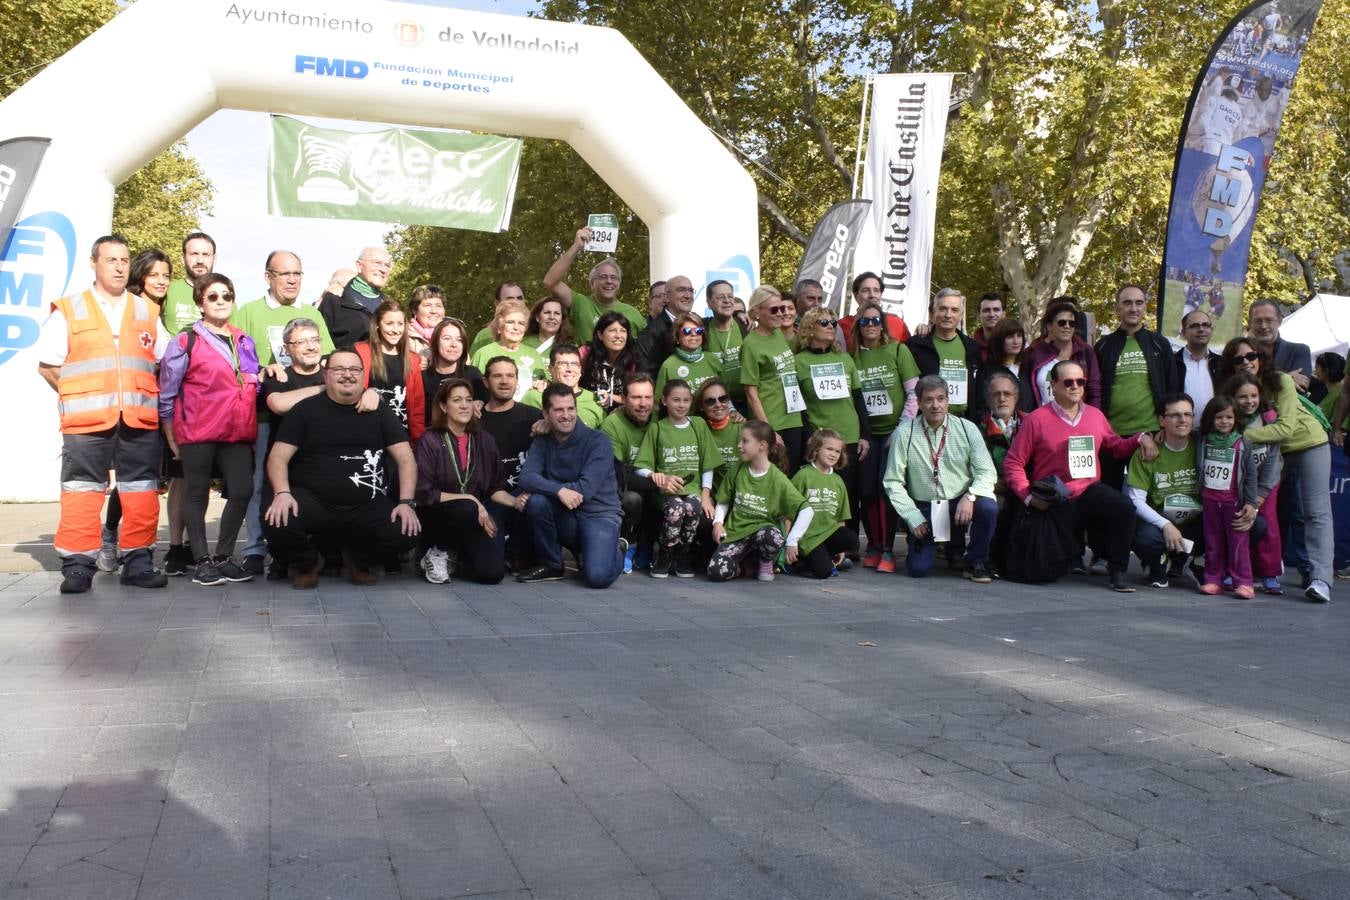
point(99, 350)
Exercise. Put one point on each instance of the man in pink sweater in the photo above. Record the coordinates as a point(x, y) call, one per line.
point(1063, 438)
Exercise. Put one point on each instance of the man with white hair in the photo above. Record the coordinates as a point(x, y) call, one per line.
point(348, 315)
point(605, 280)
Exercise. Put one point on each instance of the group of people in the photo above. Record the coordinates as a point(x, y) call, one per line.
point(767, 435)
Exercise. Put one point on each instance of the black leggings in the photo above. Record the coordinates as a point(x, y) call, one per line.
point(819, 563)
point(453, 525)
point(234, 461)
point(794, 442)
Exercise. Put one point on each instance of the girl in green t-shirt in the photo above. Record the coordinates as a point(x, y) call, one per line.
point(751, 502)
point(827, 543)
point(687, 360)
point(679, 456)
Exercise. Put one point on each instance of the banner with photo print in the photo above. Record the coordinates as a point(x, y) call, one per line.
point(1227, 139)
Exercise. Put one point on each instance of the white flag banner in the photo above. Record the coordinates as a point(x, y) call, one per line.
point(900, 177)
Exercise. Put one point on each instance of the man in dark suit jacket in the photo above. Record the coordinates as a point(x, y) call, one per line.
point(1263, 327)
point(653, 345)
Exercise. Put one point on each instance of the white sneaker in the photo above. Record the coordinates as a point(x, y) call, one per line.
point(436, 566)
point(1318, 591)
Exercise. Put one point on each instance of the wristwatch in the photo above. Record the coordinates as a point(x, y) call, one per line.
point(412, 504)
point(971, 497)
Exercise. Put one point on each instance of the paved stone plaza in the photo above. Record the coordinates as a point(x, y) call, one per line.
point(871, 736)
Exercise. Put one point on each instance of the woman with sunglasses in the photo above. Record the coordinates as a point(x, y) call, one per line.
point(208, 396)
point(833, 394)
point(1059, 341)
point(687, 361)
point(1305, 453)
point(448, 357)
point(769, 373)
point(608, 359)
point(887, 373)
point(713, 402)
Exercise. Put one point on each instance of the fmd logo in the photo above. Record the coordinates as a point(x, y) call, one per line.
point(332, 68)
point(35, 268)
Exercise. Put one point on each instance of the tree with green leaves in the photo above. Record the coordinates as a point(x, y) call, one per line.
point(167, 197)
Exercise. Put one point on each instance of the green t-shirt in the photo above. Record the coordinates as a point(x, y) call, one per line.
point(727, 440)
point(480, 340)
point(1131, 395)
point(589, 412)
point(526, 359)
point(755, 502)
point(827, 380)
point(767, 365)
point(882, 373)
point(725, 346)
point(1172, 481)
point(952, 368)
point(625, 434)
point(265, 324)
point(828, 497)
point(585, 310)
point(705, 369)
point(684, 452)
point(179, 309)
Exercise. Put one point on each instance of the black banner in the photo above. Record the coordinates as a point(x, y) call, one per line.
point(19, 161)
point(829, 253)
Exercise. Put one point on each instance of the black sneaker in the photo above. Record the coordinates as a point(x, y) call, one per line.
point(276, 571)
point(661, 564)
point(148, 577)
point(1157, 576)
point(1119, 582)
point(1079, 567)
point(253, 565)
point(541, 573)
point(232, 571)
point(76, 581)
point(207, 573)
point(683, 567)
point(979, 573)
point(177, 560)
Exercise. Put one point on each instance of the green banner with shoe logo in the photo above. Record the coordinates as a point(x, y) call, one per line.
point(405, 175)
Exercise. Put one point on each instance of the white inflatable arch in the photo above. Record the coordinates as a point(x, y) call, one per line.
point(399, 62)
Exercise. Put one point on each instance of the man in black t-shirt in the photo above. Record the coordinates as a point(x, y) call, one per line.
point(327, 473)
point(511, 426)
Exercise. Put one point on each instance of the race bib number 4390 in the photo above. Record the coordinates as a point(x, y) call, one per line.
point(1083, 457)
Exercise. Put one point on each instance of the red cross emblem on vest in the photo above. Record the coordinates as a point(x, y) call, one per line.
point(146, 340)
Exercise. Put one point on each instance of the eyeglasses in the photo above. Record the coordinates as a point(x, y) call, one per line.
point(714, 401)
point(1179, 416)
point(690, 330)
point(345, 370)
point(1065, 323)
point(869, 321)
point(287, 275)
point(304, 342)
point(1250, 356)
point(226, 296)
point(827, 323)
point(1074, 382)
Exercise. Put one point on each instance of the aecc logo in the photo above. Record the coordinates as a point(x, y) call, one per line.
point(35, 269)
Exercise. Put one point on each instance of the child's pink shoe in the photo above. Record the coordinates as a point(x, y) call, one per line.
point(1244, 592)
point(1210, 589)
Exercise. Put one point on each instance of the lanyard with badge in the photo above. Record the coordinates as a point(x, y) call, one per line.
point(939, 519)
point(461, 475)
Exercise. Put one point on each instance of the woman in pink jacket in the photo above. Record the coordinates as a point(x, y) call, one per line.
point(208, 393)
point(1059, 341)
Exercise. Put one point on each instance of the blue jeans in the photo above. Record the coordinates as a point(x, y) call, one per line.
point(923, 553)
point(594, 539)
